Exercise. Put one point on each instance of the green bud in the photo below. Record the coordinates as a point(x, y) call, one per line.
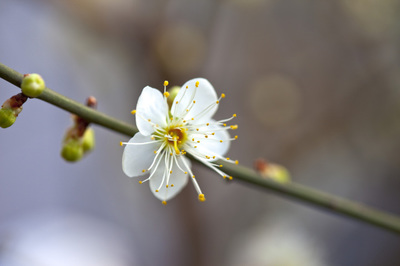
point(32, 85)
point(173, 91)
point(277, 172)
point(7, 117)
point(88, 140)
point(72, 151)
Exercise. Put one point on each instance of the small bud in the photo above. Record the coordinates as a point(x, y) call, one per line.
point(32, 85)
point(273, 171)
point(88, 140)
point(10, 109)
point(173, 91)
point(72, 150)
point(7, 117)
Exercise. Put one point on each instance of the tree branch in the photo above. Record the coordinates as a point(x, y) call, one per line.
point(292, 190)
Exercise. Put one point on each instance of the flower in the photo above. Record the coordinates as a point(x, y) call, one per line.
point(166, 135)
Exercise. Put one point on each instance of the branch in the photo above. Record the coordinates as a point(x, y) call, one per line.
point(292, 190)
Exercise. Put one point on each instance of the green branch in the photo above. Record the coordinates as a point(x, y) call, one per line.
point(292, 190)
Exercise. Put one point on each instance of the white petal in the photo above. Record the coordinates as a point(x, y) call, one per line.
point(178, 178)
point(204, 96)
point(138, 157)
point(212, 145)
point(151, 105)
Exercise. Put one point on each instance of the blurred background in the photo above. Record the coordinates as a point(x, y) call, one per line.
point(316, 88)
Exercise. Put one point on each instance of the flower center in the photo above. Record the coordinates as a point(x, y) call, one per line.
point(177, 138)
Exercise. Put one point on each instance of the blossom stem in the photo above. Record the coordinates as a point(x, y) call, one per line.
point(292, 190)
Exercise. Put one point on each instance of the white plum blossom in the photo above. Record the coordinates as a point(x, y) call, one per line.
point(166, 135)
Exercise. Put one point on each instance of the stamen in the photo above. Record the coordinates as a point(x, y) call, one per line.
point(133, 112)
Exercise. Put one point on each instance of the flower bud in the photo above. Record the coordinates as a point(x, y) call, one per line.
point(72, 150)
point(11, 109)
point(32, 85)
point(88, 140)
point(7, 117)
point(273, 171)
point(173, 91)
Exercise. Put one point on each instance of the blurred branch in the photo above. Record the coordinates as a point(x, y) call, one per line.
point(311, 196)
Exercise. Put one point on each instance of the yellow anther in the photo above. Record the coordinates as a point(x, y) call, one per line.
point(166, 83)
point(170, 153)
point(187, 87)
point(224, 125)
point(198, 141)
point(152, 138)
point(213, 157)
point(120, 143)
point(192, 139)
point(164, 202)
point(185, 173)
point(194, 101)
point(230, 178)
point(206, 136)
point(208, 157)
point(143, 170)
point(149, 120)
point(197, 84)
point(166, 94)
point(236, 162)
point(224, 176)
point(155, 152)
point(133, 112)
point(220, 165)
point(197, 129)
point(193, 176)
point(176, 102)
point(234, 127)
point(140, 182)
point(208, 124)
point(184, 121)
point(217, 102)
point(213, 133)
point(166, 186)
point(195, 147)
point(228, 158)
point(202, 198)
point(221, 141)
point(234, 115)
point(170, 172)
point(192, 118)
point(236, 137)
point(223, 95)
point(179, 142)
point(172, 185)
point(156, 190)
